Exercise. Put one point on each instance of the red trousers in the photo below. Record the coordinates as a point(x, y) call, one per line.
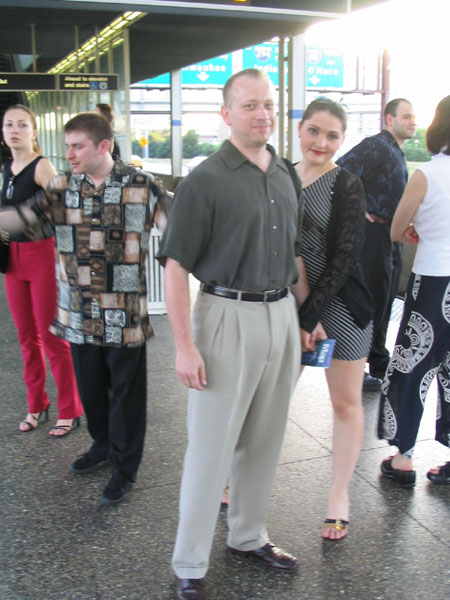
point(31, 291)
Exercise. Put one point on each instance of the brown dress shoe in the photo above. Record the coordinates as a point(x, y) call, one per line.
point(190, 589)
point(270, 556)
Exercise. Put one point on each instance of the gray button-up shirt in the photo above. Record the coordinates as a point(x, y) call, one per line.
point(234, 225)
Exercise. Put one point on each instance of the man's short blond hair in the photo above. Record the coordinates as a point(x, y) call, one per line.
point(255, 73)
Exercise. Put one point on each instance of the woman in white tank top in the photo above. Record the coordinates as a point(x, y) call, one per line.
point(422, 348)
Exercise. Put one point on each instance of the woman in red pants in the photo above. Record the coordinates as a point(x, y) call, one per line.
point(31, 283)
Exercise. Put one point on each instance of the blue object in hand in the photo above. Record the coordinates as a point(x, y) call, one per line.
point(321, 355)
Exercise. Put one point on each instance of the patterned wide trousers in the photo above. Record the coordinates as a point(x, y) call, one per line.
point(422, 351)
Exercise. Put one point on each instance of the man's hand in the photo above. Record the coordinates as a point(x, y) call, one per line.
point(190, 369)
point(369, 217)
point(189, 365)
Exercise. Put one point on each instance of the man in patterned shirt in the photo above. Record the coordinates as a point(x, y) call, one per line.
point(380, 162)
point(102, 212)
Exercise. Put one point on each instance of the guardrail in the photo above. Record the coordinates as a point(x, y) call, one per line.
point(156, 300)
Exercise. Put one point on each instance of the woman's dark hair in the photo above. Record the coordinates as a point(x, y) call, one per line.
point(325, 104)
point(106, 111)
point(30, 113)
point(438, 133)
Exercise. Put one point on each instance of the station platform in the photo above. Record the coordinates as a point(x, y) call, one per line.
point(58, 543)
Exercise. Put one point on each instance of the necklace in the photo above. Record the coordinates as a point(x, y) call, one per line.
point(10, 187)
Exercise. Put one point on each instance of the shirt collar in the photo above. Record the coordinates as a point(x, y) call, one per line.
point(119, 168)
point(390, 138)
point(234, 158)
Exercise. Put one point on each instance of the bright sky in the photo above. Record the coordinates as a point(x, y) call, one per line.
point(416, 34)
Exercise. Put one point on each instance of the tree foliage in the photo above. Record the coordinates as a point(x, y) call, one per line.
point(159, 145)
point(415, 149)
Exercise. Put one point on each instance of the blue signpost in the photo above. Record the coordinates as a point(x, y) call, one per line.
point(324, 68)
point(209, 73)
point(263, 57)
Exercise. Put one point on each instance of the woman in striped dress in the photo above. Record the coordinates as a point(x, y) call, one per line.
point(338, 305)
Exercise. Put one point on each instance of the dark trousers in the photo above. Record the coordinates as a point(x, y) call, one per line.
point(382, 266)
point(113, 390)
point(422, 352)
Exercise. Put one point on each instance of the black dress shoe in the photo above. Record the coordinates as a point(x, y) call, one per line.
point(269, 555)
point(117, 488)
point(190, 589)
point(371, 384)
point(404, 478)
point(443, 476)
point(90, 460)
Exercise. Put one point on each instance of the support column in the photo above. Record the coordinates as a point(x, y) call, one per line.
point(281, 97)
point(175, 109)
point(296, 93)
point(126, 88)
point(33, 46)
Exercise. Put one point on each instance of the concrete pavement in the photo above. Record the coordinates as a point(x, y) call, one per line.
point(58, 543)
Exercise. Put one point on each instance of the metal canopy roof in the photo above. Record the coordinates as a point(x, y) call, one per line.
point(172, 35)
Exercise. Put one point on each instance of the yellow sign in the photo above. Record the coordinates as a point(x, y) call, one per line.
point(143, 141)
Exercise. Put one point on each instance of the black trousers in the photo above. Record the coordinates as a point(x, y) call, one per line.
point(113, 388)
point(382, 266)
point(422, 352)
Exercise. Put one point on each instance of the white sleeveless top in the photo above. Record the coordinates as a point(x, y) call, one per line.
point(432, 220)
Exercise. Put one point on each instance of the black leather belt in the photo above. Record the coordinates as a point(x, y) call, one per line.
point(223, 292)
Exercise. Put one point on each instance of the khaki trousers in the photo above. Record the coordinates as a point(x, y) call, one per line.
point(236, 425)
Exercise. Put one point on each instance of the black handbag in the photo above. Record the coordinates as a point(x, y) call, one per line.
point(4, 251)
point(4, 248)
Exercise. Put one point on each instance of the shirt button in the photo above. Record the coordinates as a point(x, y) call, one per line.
point(272, 202)
point(92, 272)
point(275, 253)
point(274, 227)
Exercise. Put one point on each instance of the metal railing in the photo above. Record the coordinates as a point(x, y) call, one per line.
point(156, 300)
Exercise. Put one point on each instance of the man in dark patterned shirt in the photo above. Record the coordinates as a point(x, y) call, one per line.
point(102, 213)
point(380, 162)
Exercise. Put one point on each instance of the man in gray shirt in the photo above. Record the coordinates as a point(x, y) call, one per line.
point(235, 224)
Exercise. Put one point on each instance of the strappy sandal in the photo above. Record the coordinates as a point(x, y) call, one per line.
point(442, 476)
point(224, 500)
point(338, 524)
point(31, 426)
point(66, 428)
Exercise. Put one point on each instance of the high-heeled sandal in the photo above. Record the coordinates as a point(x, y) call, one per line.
point(338, 525)
point(66, 428)
point(442, 476)
point(30, 426)
point(225, 498)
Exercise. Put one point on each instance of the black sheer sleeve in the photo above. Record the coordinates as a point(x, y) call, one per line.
point(345, 246)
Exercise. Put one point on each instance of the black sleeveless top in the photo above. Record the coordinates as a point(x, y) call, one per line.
point(23, 187)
